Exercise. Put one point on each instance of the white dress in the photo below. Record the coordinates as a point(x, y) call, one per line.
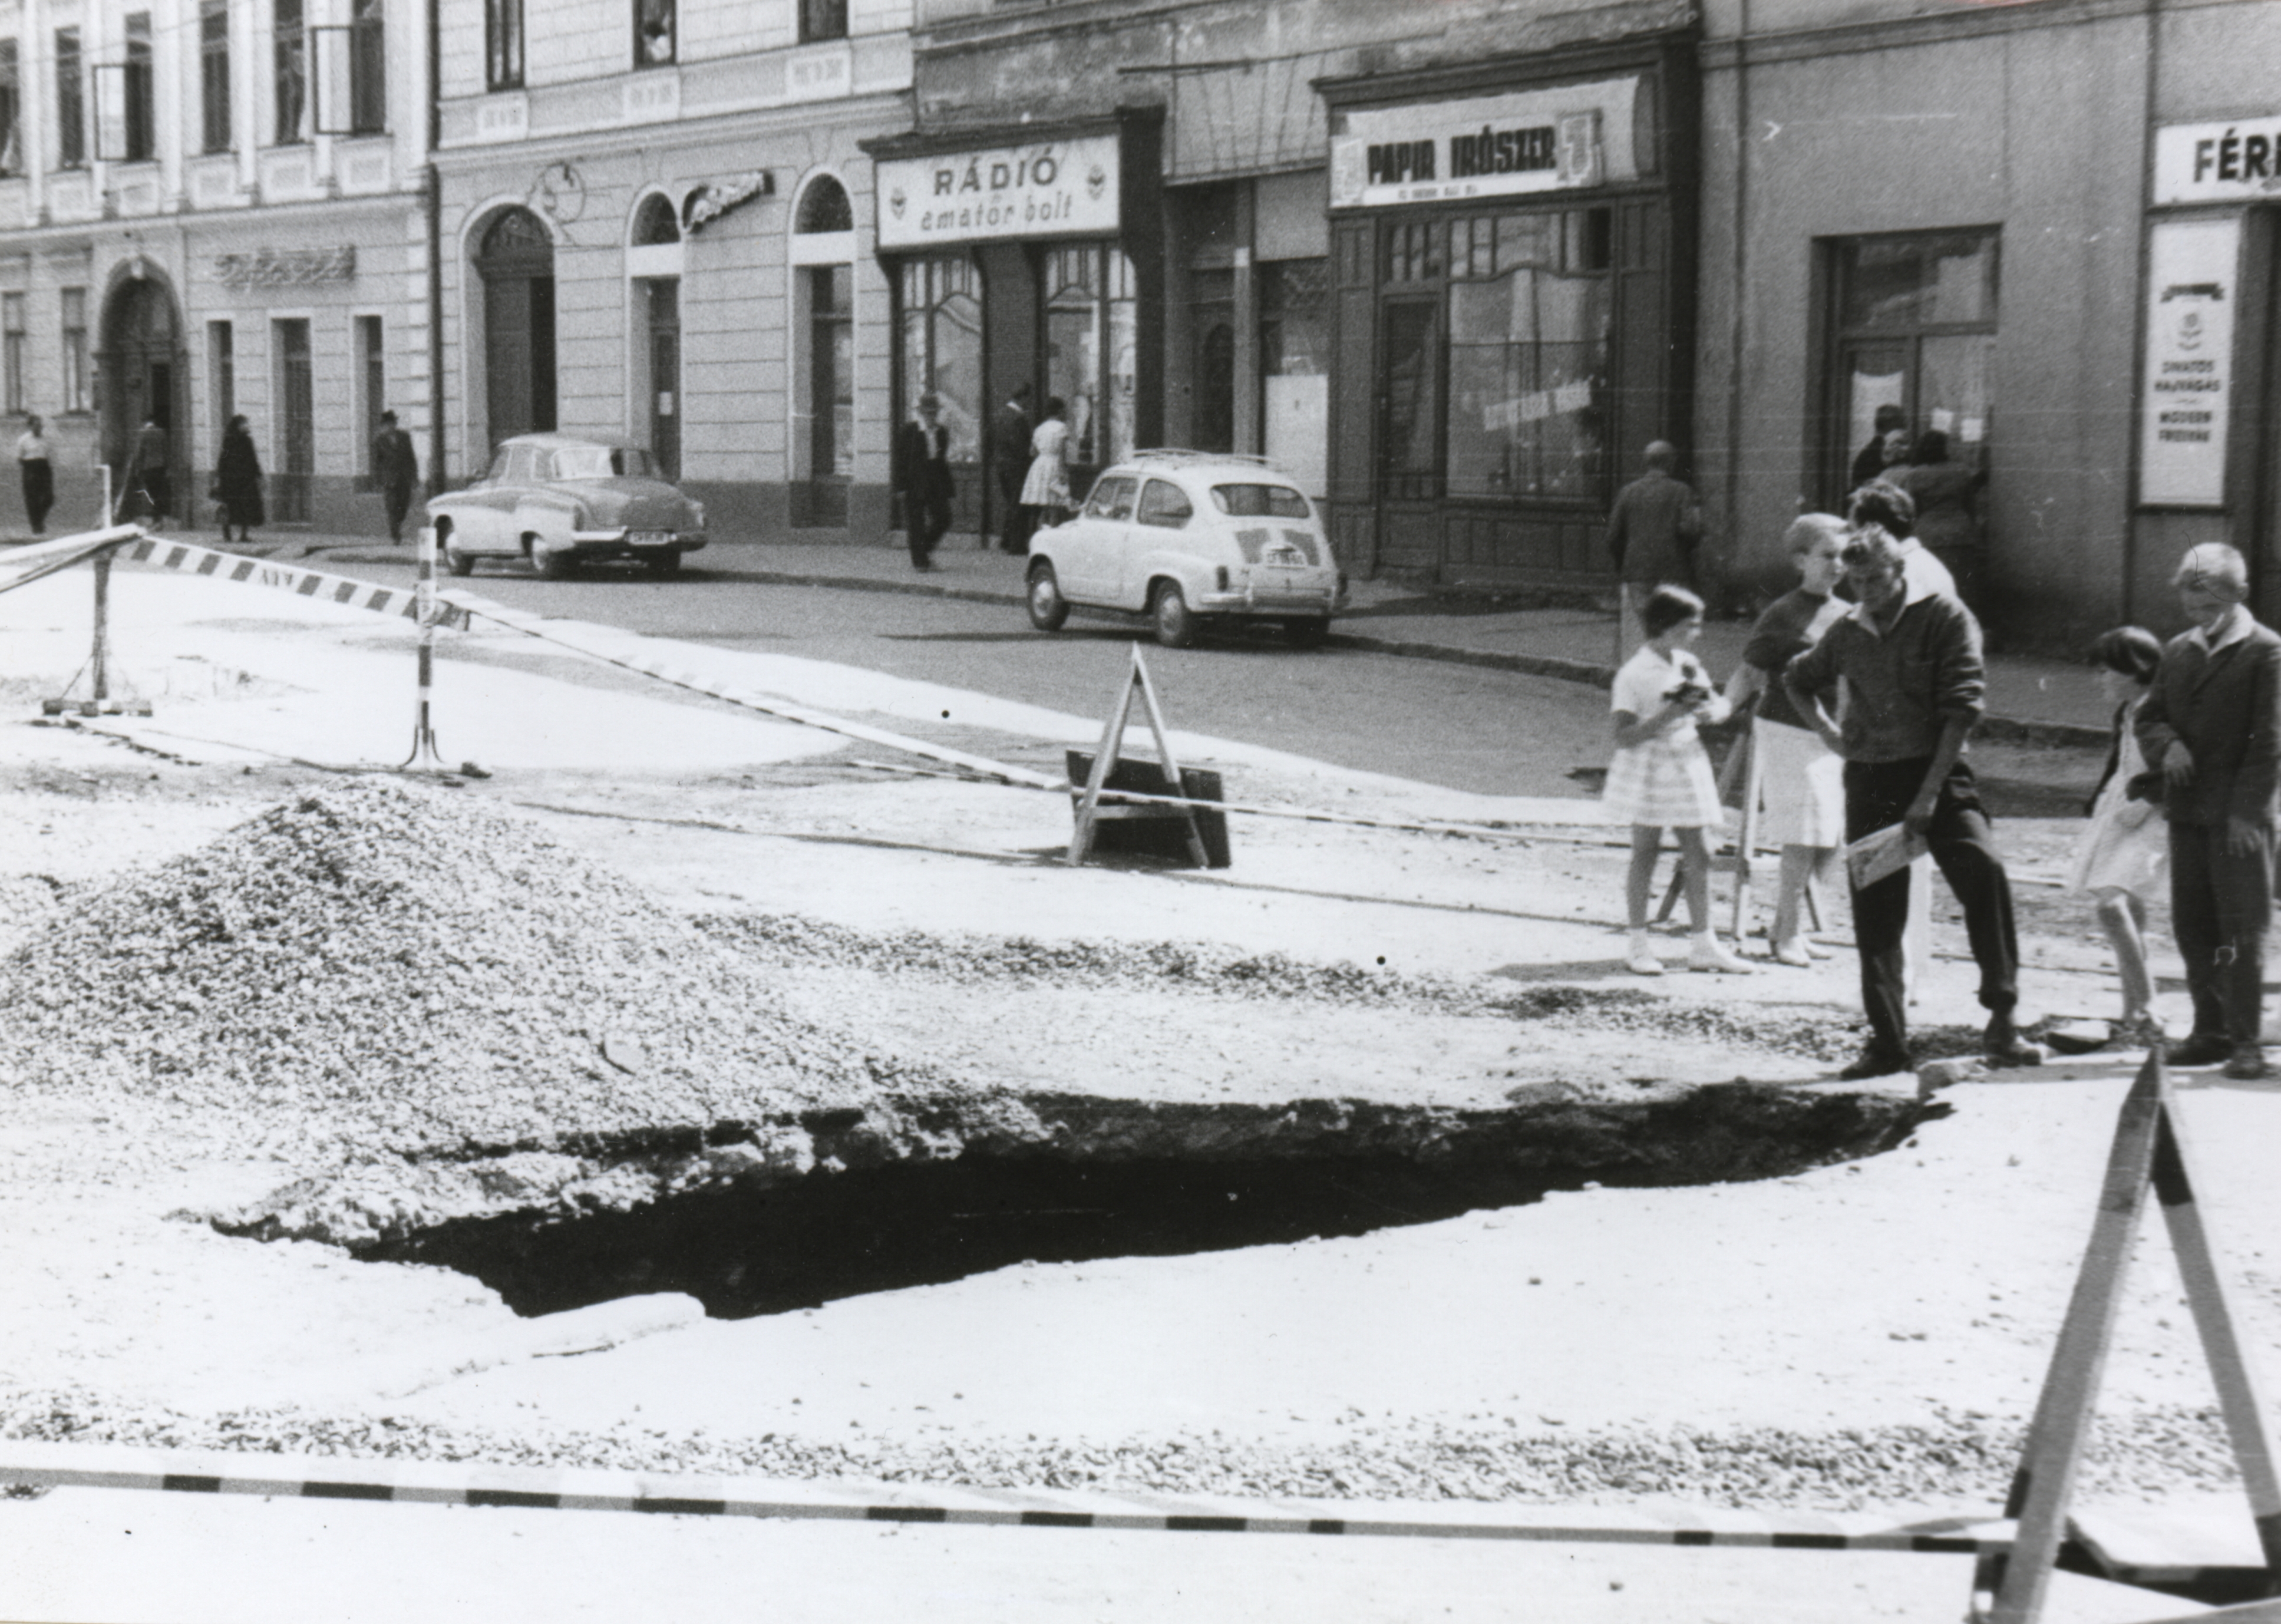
point(2128, 846)
point(1665, 782)
point(1047, 484)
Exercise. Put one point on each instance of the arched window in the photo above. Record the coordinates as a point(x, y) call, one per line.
point(824, 206)
point(654, 222)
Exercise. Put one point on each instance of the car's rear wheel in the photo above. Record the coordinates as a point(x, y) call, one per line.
point(663, 563)
point(1307, 633)
point(1048, 607)
point(458, 562)
point(552, 562)
point(1175, 621)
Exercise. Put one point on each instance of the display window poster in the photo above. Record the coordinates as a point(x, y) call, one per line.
point(2190, 293)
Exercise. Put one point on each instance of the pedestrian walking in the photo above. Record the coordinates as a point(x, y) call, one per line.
point(1045, 488)
point(1652, 532)
point(1800, 780)
point(1916, 685)
point(924, 478)
point(1660, 776)
point(237, 481)
point(1009, 458)
point(150, 491)
point(396, 471)
point(1870, 462)
point(35, 465)
point(2122, 858)
point(2212, 727)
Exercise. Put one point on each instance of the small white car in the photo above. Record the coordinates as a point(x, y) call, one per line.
point(558, 500)
point(1186, 538)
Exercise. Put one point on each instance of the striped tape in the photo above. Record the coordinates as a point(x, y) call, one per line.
point(456, 1483)
point(312, 584)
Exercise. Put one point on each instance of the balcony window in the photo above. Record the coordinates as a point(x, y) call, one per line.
point(71, 102)
point(822, 19)
point(12, 108)
point(503, 45)
point(292, 47)
point(141, 115)
point(213, 76)
point(352, 63)
point(654, 32)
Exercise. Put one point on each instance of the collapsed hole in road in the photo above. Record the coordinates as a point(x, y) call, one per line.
point(1108, 1180)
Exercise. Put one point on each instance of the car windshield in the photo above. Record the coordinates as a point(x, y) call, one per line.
point(1259, 502)
point(602, 461)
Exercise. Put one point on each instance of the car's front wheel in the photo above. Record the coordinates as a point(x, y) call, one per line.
point(1175, 621)
point(1048, 607)
point(554, 563)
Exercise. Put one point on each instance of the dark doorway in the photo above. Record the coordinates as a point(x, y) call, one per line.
point(516, 264)
point(139, 364)
point(296, 423)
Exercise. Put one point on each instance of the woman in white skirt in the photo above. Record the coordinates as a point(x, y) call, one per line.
point(2123, 858)
point(1660, 776)
point(1801, 780)
point(1046, 492)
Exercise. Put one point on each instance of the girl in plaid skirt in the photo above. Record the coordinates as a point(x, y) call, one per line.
point(1660, 776)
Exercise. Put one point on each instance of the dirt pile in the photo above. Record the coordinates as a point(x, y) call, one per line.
point(380, 968)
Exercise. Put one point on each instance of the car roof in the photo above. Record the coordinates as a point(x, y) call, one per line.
point(1178, 460)
point(557, 442)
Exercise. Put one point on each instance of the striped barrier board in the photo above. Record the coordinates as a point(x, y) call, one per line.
point(459, 1483)
point(399, 600)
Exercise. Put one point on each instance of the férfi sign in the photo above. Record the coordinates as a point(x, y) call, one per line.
point(2190, 294)
point(1052, 189)
point(1485, 146)
point(2218, 163)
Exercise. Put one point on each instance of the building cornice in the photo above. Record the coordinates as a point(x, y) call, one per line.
point(1900, 33)
point(704, 130)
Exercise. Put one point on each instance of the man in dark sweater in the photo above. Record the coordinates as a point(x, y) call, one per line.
point(923, 478)
point(1653, 530)
point(1870, 462)
point(2212, 727)
point(1911, 659)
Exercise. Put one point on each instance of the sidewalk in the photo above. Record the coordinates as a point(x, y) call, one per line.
point(2031, 699)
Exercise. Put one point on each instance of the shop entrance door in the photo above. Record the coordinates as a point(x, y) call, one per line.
point(296, 425)
point(1409, 434)
point(516, 265)
point(141, 334)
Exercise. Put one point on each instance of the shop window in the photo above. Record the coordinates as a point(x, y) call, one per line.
point(221, 373)
point(213, 75)
point(1295, 354)
point(502, 44)
point(653, 33)
point(1916, 330)
point(75, 378)
point(71, 103)
point(1528, 358)
point(941, 306)
point(822, 19)
point(12, 108)
point(11, 350)
point(289, 68)
point(1091, 343)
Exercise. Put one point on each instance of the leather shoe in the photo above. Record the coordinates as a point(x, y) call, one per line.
point(2003, 1046)
point(2200, 1048)
point(1874, 1062)
point(2247, 1063)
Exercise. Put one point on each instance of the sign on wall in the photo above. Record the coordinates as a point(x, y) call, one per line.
point(2190, 298)
point(2218, 163)
point(1051, 189)
point(1485, 146)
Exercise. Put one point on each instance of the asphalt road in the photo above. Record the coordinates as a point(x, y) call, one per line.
point(1461, 727)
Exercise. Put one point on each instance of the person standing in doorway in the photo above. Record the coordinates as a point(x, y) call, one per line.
point(149, 492)
point(1045, 488)
point(2211, 726)
point(396, 471)
point(1009, 455)
point(1653, 530)
point(1916, 685)
point(38, 473)
point(237, 481)
point(1870, 462)
point(923, 478)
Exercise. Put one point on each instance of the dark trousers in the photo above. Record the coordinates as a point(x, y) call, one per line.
point(926, 516)
point(1013, 519)
point(39, 490)
point(398, 498)
point(1876, 794)
point(2221, 906)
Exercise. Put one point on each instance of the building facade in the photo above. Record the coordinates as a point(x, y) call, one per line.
point(208, 208)
point(657, 223)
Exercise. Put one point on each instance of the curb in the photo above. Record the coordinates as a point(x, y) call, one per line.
point(2003, 730)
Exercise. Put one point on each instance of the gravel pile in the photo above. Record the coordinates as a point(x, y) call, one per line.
point(1950, 1458)
point(376, 967)
point(1199, 968)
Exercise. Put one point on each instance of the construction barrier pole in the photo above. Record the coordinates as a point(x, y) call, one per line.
point(424, 730)
point(99, 660)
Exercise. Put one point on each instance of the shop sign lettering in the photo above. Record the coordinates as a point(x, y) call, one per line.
point(1052, 189)
point(2191, 294)
point(1489, 146)
point(2213, 163)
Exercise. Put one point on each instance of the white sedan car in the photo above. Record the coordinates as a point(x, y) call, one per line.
point(1186, 538)
point(557, 501)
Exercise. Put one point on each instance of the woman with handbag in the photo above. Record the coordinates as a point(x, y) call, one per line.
point(237, 482)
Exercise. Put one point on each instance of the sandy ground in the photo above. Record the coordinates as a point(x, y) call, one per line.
point(1925, 1283)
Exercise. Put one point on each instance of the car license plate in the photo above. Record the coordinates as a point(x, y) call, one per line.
point(649, 538)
